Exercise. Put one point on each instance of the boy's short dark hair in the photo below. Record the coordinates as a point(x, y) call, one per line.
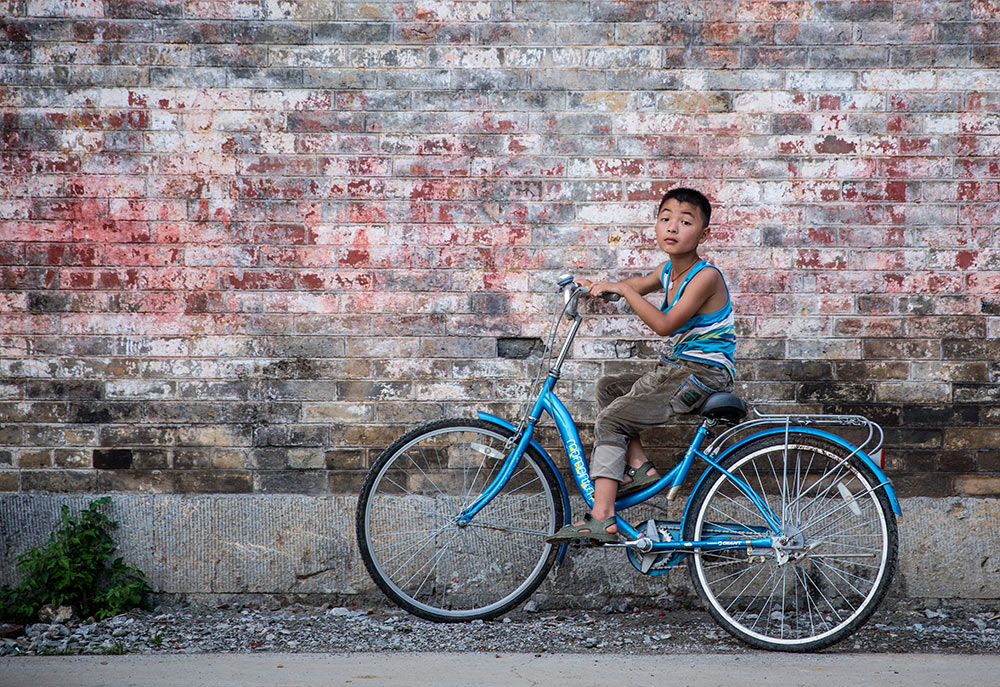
point(689, 195)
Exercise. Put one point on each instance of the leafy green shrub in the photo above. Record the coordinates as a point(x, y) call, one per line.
point(75, 567)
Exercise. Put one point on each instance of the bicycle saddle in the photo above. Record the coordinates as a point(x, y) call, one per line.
point(724, 408)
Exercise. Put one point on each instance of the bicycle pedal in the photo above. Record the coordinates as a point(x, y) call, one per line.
point(593, 543)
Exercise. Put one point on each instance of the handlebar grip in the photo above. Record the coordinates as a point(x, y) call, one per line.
point(609, 296)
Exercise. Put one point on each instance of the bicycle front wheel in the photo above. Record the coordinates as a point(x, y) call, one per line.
point(407, 527)
point(840, 552)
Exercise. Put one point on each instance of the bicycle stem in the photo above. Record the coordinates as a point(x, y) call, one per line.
point(555, 371)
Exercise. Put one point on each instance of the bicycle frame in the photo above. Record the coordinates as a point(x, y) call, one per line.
point(548, 402)
point(675, 477)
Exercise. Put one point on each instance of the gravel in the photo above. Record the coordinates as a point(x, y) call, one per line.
point(901, 626)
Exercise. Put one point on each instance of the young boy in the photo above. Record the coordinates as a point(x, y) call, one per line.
point(696, 319)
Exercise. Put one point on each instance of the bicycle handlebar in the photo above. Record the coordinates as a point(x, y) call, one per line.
point(568, 283)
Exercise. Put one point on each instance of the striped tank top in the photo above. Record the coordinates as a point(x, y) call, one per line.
point(709, 338)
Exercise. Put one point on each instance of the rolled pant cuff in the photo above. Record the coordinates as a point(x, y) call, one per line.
point(608, 460)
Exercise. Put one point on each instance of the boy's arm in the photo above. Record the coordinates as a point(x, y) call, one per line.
point(700, 290)
point(644, 284)
point(647, 283)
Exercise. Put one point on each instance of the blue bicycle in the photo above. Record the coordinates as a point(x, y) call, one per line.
point(789, 533)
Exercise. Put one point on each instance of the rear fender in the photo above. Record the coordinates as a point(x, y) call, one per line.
point(871, 464)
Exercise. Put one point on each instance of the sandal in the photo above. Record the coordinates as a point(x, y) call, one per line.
point(640, 480)
point(590, 528)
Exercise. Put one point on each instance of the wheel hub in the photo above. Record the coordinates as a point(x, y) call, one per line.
point(791, 547)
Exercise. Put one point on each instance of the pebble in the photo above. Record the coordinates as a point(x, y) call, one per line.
point(190, 629)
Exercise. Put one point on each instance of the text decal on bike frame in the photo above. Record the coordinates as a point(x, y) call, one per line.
point(579, 467)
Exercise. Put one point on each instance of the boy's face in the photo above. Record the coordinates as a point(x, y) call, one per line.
point(679, 227)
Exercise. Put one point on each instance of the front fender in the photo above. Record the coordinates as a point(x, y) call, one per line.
point(871, 464)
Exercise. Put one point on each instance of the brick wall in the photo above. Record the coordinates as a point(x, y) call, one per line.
point(246, 243)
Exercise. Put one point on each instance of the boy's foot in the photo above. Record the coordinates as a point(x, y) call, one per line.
point(590, 528)
point(640, 478)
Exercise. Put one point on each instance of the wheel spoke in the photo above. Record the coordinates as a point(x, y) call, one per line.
point(821, 582)
point(409, 534)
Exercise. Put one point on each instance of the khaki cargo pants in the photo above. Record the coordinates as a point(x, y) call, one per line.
point(630, 403)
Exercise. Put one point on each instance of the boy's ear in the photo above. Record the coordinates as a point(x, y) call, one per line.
point(704, 233)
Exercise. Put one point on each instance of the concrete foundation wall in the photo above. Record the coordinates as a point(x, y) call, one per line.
point(289, 544)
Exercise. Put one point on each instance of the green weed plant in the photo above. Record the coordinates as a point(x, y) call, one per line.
point(76, 567)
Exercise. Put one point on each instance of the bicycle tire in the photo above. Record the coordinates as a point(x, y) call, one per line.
point(407, 532)
point(843, 527)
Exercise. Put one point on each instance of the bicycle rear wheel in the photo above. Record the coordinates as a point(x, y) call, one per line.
point(408, 536)
point(837, 565)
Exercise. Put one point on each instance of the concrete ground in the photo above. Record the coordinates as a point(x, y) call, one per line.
point(445, 670)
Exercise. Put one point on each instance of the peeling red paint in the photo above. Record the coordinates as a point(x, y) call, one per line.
point(968, 190)
point(419, 197)
point(356, 258)
point(260, 280)
point(832, 145)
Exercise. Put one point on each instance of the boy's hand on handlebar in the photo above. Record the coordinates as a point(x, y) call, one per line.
point(609, 291)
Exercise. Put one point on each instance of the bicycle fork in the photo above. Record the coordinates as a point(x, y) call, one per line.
point(500, 481)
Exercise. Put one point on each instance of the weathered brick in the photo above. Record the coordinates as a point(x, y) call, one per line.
point(956, 461)
point(345, 459)
point(306, 459)
point(34, 458)
point(345, 481)
point(58, 480)
point(112, 459)
point(941, 416)
point(857, 371)
point(192, 458)
point(911, 461)
point(213, 481)
point(977, 485)
point(976, 393)
point(836, 391)
point(137, 435)
point(971, 437)
point(9, 480)
point(370, 195)
point(923, 484)
point(887, 349)
point(291, 482)
point(886, 414)
point(136, 481)
point(913, 392)
point(149, 459)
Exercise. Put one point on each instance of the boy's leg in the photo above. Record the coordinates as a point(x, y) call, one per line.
point(599, 525)
point(654, 400)
point(604, 500)
point(635, 457)
point(651, 401)
point(610, 387)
